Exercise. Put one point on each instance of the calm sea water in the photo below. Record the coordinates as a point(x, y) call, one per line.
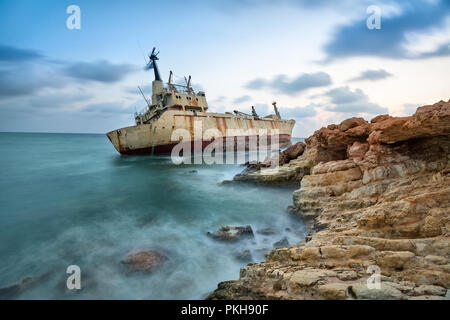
point(71, 199)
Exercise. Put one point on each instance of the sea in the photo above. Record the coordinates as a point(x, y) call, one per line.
point(72, 200)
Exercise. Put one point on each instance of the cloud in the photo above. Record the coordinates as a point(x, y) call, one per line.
point(236, 6)
point(299, 112)
point(372, 75)
point(355, 39)
point(108, 108)
point(101, 71)
point(24, 72)
point(242, 99)
point(219, 99)
point(44, 104)
point(410, 108)
point(147, 89)
point(257, 84)
point(291, 87)
point(344, 100)
point(25, 79)
point(12, 54)
point(442, 51)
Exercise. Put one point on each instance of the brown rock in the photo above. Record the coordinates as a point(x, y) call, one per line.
point(381, 117)
point(146, 261)
point(293, 152)
point(351, 123)
point(333, 291)
point(377, 197)
point(432, 227)
point(428, 121)
point(394, 260)
point(357, 150)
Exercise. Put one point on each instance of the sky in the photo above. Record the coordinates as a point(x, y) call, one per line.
point(317, 59)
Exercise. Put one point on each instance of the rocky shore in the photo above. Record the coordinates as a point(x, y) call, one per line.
point(377, 197)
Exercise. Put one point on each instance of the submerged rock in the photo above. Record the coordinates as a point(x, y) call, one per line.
point(231, 233)
point(145, 261)
point(378, 197)
point(281, 243)
point(268, 231)
point(245, 256)
point(14, 290)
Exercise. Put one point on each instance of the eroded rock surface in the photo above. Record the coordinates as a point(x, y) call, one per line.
point(378, 196)
point(283, 173)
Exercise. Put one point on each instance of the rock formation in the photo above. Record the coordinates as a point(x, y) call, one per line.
point(144, 261)
point(377, 196)
point(286, 170)
point(231, 233)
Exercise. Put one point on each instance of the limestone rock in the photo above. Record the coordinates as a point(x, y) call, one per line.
point(357, 150)
point(428, 121)
point(386, 292)
point(430, 290)
point(377, 198)
point(333, 291)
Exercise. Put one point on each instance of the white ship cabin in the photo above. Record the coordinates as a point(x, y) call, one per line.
point(172, 97)
point(179, 97)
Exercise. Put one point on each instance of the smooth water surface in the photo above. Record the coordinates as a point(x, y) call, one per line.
point(71, 199)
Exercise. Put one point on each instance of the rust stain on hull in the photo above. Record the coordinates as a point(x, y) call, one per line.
point(118, 141)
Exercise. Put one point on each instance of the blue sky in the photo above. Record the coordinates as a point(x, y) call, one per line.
point(317, 59)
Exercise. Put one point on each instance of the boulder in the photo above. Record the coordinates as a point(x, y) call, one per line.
point(351, 123)
point(268, 231)
point(245, 256)
point(333, 291)
point(231, 233)
point(293, 152)
point(144, 261)
point(281, 243)
point(14, 290)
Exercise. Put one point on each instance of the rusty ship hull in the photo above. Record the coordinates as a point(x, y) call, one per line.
point(158, 136)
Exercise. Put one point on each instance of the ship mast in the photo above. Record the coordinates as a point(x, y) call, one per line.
point(152, 64)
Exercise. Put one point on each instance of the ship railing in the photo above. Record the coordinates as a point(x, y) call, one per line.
point(143, 111)
point(182, 88)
